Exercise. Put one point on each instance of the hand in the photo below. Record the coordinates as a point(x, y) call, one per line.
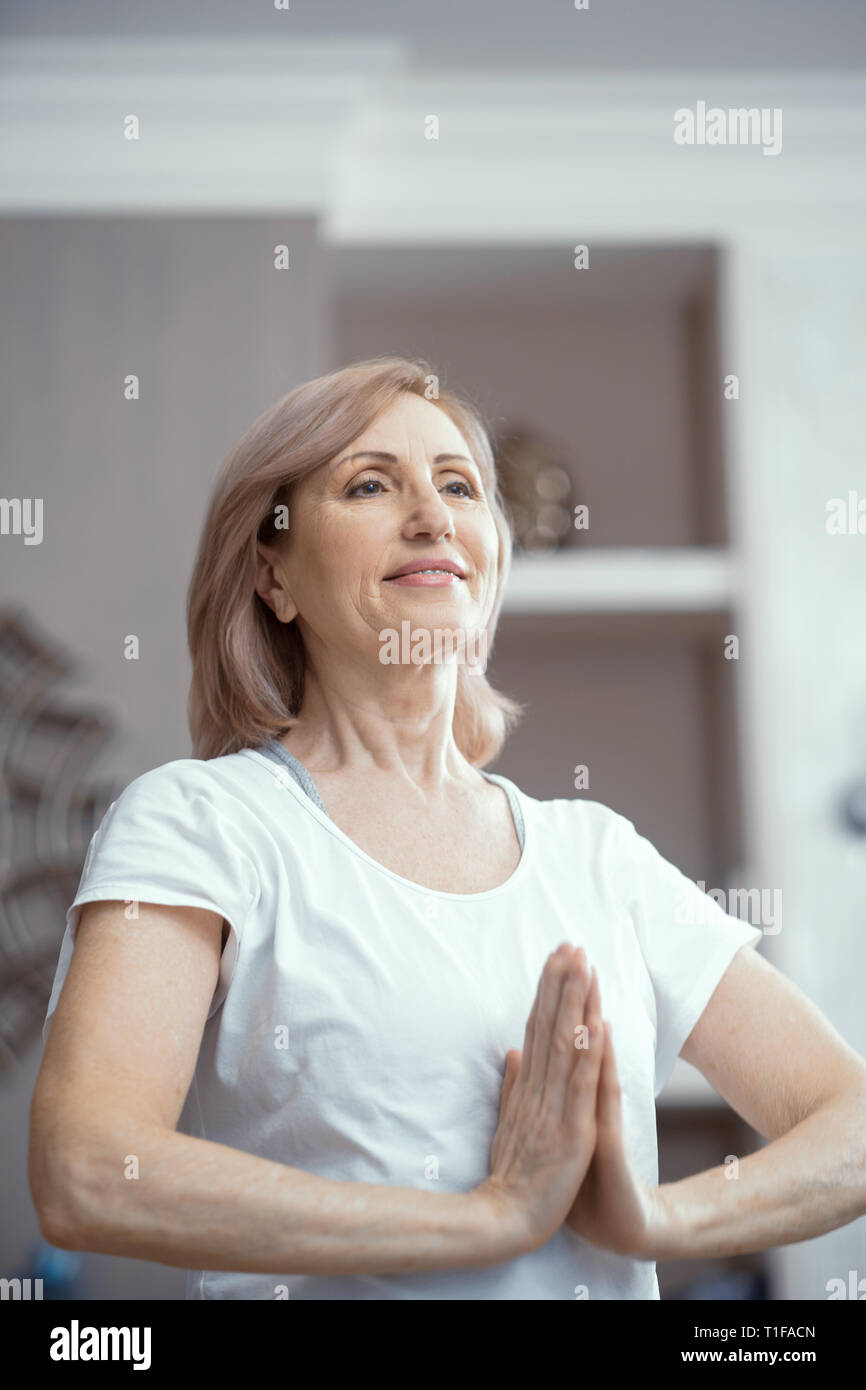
point(546, 1135)
point(615, 1209)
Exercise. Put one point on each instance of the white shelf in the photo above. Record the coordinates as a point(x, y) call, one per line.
point(693, 579)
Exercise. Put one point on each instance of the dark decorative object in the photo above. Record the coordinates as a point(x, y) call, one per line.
point(854, 808)
point(536, 486)
point(49, 810)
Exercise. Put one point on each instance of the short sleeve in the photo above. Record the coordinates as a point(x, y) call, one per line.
point(687, 940)
point(174, 836)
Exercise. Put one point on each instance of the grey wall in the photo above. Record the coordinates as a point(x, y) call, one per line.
point(215, 334)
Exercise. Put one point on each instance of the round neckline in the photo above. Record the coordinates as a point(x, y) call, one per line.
point(326, 821)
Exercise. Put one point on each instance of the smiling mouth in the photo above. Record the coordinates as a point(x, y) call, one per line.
point(428, 578)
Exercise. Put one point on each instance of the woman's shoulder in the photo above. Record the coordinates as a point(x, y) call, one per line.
point(576, 820)
point(572, 809)
point(218, 780)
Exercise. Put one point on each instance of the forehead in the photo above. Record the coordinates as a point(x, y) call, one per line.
point(412, 415)
point(408, 419)
point(416, 413)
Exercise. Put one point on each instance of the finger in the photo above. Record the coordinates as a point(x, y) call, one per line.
point(549, 994)
point(512, 1067)
point(529, 1031)
point(562, 1053)
point(581, 1094)
point(593, 997)
point(591, 1006)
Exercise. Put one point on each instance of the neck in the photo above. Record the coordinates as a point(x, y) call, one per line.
point(396, 720)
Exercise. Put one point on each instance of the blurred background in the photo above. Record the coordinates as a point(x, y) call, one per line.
point(666, 340)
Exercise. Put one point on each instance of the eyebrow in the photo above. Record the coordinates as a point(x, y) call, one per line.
point(392, 458)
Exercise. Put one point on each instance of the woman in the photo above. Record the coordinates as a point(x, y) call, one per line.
point(287, 1055)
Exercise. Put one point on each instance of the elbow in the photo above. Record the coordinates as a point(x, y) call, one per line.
point(56, 1208)
point(58, 1230)
point(58, 1195)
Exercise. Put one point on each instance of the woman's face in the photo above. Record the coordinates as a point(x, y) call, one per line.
point(358, 519)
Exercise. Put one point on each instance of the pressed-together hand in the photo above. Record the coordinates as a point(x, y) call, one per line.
point(615, 1208)
point(545, 1137)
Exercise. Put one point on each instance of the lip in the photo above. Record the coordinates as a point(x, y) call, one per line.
point(426, 581)
point(413, 567)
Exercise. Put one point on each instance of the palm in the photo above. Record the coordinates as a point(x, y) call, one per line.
point(614, 1208)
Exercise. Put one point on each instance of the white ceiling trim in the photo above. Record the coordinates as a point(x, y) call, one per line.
point(338, 129)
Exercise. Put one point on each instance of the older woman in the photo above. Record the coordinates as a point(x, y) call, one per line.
point(287, 1053)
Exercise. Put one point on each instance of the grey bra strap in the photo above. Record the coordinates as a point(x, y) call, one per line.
point(516, 813)
point(278, 753)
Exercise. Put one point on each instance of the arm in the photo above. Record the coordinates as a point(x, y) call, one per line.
point(770, 1052)
point(773, 1056)
point(118, 1063)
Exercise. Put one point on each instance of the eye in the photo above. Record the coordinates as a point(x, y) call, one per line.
point(470, 491)
point(356, 490)
point(365, 482)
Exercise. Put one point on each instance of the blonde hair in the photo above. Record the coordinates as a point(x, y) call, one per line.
point(248, 667)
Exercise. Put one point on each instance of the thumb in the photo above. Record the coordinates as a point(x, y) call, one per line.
point(512, 1067)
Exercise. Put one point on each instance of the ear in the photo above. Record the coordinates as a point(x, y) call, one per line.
point(270, 587)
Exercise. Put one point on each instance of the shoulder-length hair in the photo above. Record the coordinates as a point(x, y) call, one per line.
point(248, 667)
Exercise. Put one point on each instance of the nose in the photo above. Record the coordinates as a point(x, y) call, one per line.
point(426, 513)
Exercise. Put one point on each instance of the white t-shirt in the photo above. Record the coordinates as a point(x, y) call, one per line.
point(360, 1022)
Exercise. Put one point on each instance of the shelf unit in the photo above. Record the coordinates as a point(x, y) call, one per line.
point(672, 580)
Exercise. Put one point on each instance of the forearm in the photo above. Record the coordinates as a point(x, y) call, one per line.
point(808, 1181)
point(202, 1205)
